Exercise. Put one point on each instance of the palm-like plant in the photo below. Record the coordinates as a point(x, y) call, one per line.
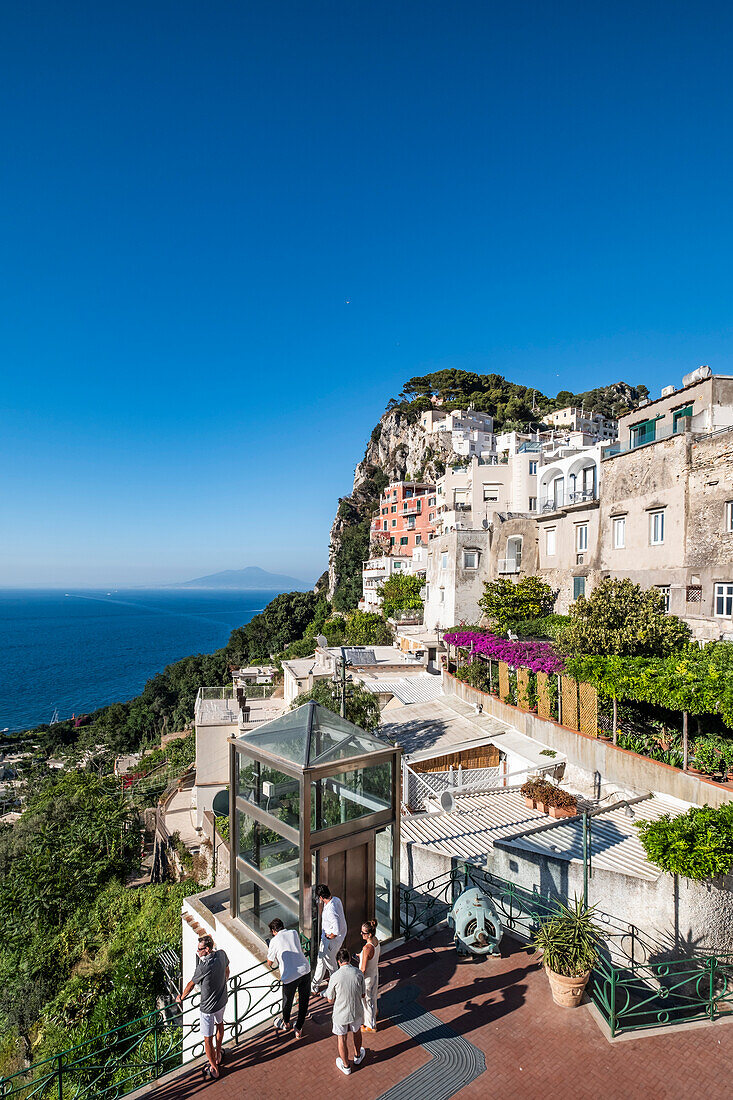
point(569, 940)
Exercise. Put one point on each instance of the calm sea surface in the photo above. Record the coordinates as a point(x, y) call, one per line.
point(79, 650)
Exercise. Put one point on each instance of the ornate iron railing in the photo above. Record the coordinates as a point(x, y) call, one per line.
point(637, 983)
point(118, 1062)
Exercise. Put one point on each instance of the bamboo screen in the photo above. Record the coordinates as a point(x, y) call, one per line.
point(482, 756)
point(569, 702)
point(523, 688)
point(588, 710)
point(503, 681)
point(544, 703)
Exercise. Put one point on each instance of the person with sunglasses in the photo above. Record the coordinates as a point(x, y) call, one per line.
point(211, 975)
point(369, 966)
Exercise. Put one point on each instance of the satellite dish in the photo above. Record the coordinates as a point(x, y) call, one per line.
point(322, 641)
point(447, 802)
point(220, 805)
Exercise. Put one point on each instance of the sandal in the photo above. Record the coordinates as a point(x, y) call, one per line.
point(281, 1026)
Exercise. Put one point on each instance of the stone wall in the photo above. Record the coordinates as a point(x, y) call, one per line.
point(596, 757)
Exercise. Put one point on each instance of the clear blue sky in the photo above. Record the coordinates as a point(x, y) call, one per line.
point(230, 231)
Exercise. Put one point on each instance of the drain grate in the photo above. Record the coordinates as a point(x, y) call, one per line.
point(455, 1062)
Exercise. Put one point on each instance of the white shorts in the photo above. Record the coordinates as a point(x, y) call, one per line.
point(344, 1029)
point(209, 1020)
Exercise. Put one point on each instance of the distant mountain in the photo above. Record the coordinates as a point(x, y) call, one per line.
point(251, 577)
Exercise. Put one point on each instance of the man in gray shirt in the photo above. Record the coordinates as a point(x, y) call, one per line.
point(211, 974)
point(346, 990)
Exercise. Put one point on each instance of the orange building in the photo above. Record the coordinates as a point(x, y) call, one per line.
point(406, 517)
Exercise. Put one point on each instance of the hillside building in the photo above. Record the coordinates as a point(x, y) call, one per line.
point(404, 519)
point(472, 433)
point(591, 423)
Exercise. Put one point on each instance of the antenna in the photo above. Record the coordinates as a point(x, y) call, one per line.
point(447, 802)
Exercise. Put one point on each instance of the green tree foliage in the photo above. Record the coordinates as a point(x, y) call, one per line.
point(697, 844)
point(362, 708)
point(622, 618)
point(367, 628)
point(698, 680)
point(401, 592)
point(352, 552)
point(283, 621)
point(78, 954)
point(75, 835)
point(505, 602)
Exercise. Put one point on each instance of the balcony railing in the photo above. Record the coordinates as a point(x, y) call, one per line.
point(684, 424)
point(564, 500)
point(115, 1063)
point(510, 565)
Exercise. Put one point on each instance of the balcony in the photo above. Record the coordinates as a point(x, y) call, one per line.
point(655, 435)
point(565, 500)
point(461, 507)
point(510, 565)
point(413, 508)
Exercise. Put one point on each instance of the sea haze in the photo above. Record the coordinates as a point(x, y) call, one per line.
point(76, 652)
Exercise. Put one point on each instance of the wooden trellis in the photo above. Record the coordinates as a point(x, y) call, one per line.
point(569, 702)
point(588, 709)
point(523, 688)
point(544, 702)
point(503, 681)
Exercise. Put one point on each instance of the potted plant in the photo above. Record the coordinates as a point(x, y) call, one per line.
point(528, 791)
point(568, 941)
point(708, 758)
point(542, 794)
point(562, 803)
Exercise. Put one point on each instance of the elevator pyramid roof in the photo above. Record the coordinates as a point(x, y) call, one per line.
point(311, 735)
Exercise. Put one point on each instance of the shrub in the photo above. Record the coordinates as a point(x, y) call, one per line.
point(697, 844)
point(549, 626)
point(623, 618)
point(536, 656)
point(505, 602)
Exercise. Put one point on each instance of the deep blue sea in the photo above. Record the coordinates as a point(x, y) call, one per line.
point(78, 650)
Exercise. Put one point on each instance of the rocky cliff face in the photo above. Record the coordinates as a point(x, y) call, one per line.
point(398, 449)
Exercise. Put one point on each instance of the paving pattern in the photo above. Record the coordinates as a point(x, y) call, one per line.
point(503, 1009)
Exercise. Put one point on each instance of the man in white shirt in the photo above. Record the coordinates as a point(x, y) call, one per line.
point(286, 953)
point(333, 933)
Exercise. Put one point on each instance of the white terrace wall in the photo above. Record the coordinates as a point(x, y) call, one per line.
point(595, 756)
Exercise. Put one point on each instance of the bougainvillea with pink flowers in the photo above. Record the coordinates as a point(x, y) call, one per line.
point(536, 656)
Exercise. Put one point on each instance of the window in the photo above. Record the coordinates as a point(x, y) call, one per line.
point(681, 415)
point(431, 516)
point(664, 589)
point(391, 541)
point(442, 595)
point(578, 587)
point(533, 504)
point(397, 565)
point(533, 466)
point(350, 795)
point(656, 528)
point(384, 511)
point(558, 492)
point(404, 540)
point(581, 537)
point(444, 561)
point(619, 532)
point(393, 508)
point(491, 493)
point(418, 540)
point(470, 559)
point(724, 601)
point(394, 522)
point(729, 517)
point(642, 433)
point(550, 540)
point(385, 525)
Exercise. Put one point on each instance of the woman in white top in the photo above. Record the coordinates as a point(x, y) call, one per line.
point(369, 966)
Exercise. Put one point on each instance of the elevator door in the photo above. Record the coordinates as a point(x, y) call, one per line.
point(348, 869)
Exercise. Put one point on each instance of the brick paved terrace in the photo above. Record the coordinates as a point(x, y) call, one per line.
point(503, 1009)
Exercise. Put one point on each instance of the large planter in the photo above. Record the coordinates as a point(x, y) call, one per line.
point(562, 811)
point(567, 992)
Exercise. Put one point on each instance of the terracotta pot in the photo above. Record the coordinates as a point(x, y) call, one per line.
point(542, 808)
point(562, 811)
point(530, 803)
point(567, 992)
